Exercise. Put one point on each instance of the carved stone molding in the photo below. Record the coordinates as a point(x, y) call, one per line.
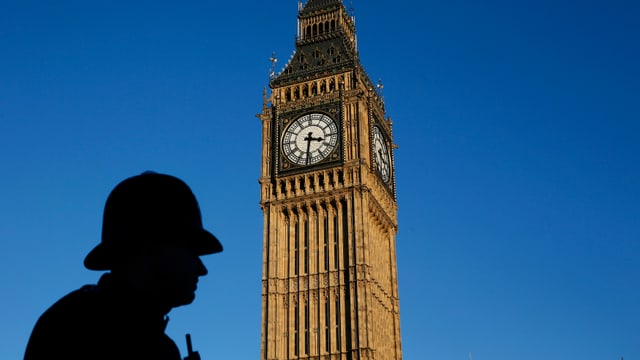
point(325, 280)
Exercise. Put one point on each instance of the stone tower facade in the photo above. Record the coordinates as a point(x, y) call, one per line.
point(329, 285)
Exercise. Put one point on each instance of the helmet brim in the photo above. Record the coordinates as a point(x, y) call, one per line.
point(103, 255)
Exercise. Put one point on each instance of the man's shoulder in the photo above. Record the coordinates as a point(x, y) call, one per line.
point(93, 322)
point(68, 321)
point(78, 300)
point(77, 307)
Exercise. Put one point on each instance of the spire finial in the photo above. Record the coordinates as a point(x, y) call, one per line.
point(264, 98)
point(273, 60)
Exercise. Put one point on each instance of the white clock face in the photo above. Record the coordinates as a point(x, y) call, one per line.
point(310, 139)
point(381, 154)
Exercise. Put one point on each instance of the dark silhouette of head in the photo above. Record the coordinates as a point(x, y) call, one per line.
point(152, 240)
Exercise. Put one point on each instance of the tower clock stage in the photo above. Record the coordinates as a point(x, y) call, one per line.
point(329, 285)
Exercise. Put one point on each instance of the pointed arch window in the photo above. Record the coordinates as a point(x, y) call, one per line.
point(337, 324)
point(305, 246)
point(327, 329)
point(296, 330)
point(336, 239)
point(296, 248)
point(307, 335)
point(325, 244)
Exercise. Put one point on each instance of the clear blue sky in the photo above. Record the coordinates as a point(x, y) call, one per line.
point(517, 169)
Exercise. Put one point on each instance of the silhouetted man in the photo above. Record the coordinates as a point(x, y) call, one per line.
point(152, 237)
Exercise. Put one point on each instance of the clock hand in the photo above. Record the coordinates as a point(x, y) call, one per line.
point(382, 158)
point(309, 139)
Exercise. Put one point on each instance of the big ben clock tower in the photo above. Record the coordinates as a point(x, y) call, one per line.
point(329, 285)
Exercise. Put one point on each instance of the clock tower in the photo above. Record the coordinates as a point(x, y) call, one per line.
point(329, 284)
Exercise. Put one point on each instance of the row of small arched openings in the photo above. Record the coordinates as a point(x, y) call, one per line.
point(306, 183)
point(320, 28)
point(306, 90)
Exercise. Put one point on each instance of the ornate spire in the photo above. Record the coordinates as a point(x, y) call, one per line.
point(325, 42)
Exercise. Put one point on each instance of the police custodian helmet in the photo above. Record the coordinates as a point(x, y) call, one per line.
point(147, 209)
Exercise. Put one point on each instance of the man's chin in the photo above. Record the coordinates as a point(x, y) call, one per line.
point(186, 300)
